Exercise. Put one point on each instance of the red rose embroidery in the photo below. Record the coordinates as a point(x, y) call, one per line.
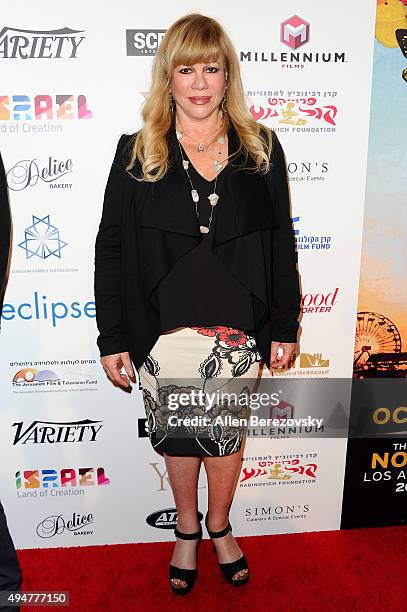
point(210, 331)
point(233, 337)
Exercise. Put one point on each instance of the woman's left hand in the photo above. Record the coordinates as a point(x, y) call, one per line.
point(288, 351)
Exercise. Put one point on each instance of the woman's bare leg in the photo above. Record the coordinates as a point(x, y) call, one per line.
point(183, 474)
point(222, 475)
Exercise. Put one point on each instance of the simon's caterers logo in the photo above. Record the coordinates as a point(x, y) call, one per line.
point(16, 43)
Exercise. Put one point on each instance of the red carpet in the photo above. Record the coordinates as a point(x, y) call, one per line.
point(357, 569)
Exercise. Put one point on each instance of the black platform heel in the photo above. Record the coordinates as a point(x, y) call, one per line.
point(229, 569)
point(187, 575)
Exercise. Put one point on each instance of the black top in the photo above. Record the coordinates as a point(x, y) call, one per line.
point(211, 295)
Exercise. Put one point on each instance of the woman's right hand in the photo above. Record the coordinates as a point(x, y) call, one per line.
point(112, 365)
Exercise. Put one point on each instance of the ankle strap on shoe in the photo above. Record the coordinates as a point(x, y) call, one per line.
point(219, 534)
point(188, 536)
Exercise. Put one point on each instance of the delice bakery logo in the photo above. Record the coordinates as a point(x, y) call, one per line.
point(295, 32)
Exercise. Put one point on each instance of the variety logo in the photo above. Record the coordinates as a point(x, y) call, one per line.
point(51, 432)
point(41, 239)
point(16, 43)
point(143, 42)
point(40, 309)
point(294, 32)
point(313, 303)
point(67, 481)
point(279, 472)
point(56, 524)
point(28, 173)
point(44, 107)
point(310, 242)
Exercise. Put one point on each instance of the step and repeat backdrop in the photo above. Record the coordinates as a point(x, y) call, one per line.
point(77, 467)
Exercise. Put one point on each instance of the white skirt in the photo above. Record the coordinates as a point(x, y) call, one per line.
point(196, 382)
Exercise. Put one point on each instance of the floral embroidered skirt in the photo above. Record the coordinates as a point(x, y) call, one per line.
point(196, 384)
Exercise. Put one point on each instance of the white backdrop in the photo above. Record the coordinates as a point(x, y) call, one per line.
point(105, 479)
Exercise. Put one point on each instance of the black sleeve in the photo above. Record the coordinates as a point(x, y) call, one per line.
point(107, 279)
point(5, 225)
point(286, 305)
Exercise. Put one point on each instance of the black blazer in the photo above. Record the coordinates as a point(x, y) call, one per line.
point(146, 227)
point(5, 226)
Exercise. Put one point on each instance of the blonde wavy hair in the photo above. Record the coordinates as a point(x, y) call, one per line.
point(192, 39)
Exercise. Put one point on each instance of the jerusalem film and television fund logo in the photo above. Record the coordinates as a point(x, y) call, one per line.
point(17, 43)
point(294, 32)
point(143, 42)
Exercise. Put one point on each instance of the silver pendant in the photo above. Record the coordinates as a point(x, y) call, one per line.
point(201, 147)
point(203, 229)
point(221, 139)
point(218, 166)
point(213, 199)
point(179, 134)
point(195, 195)
point(185, 163)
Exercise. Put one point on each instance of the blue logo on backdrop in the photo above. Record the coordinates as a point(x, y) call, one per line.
point(40, 308)
point(42, 239)
point(311, 242)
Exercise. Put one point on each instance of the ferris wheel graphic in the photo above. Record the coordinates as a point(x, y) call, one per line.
point(375, 333)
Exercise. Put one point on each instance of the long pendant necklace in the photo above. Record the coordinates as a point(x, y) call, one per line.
point(213, 197)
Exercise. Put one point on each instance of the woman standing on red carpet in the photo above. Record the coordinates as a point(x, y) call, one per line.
point(195, 275)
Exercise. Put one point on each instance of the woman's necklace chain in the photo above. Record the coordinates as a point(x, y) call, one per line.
point(213, 197)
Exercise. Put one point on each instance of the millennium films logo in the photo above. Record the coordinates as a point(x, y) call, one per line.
point(16, 43)
point(42, 239)
point(294, 33)
point(56, 525)
point(143, 42)
point(28, 173)
point(52, 432)
point(56, 483)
